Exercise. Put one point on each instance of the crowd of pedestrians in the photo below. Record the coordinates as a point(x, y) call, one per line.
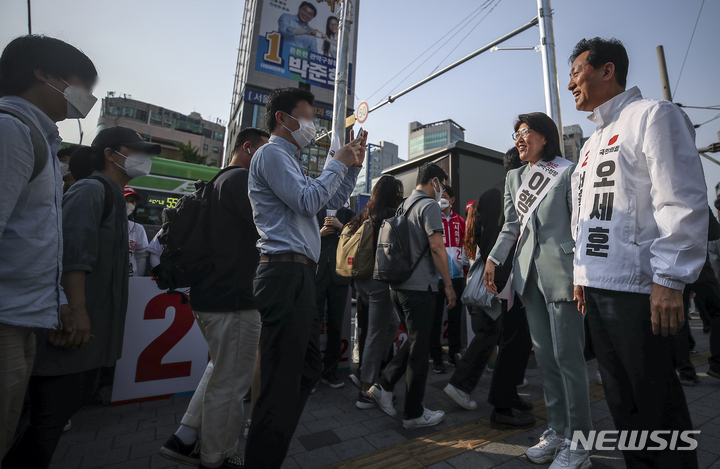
point(614, 245)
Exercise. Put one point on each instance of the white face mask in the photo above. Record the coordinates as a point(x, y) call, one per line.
point(64, 169)
point(304, 135)
point(444, 203)
point(79, 101)
point(129, 208)
point(136, 166)
point(438, 191)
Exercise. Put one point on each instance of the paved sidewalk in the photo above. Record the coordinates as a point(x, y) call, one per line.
point(334, 433)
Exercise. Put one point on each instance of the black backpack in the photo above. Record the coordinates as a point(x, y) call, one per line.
point(186, 256)
point(393, 263)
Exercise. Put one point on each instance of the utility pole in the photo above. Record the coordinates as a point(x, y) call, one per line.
point(341, 74)
point(550, 77)
point(667, 96)
point(29, 19)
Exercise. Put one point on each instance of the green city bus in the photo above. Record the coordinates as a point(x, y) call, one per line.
point(168, 181)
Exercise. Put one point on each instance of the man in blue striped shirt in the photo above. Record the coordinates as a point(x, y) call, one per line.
point(285, 203)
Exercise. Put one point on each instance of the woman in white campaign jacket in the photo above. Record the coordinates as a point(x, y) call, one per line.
point(543, 277)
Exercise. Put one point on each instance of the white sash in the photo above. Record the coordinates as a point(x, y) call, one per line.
point(540, 179)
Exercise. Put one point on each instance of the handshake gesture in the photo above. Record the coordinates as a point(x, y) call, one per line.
point(353, 154)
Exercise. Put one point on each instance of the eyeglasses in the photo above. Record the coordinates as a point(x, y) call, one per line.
point(521, 133)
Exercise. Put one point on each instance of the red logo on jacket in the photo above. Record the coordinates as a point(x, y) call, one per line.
point(613, 140)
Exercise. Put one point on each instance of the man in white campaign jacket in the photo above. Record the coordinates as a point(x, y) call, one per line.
point(640, 225)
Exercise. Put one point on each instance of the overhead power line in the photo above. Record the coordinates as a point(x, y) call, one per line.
point(688, 48)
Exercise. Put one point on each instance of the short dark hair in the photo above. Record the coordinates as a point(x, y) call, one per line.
point(26, 54)
point(542, 124)
point(428, 171)
point(309, 5)
point(450, 191)
point(86, 160)
point(67, 150)
point(603, 51)
point(252, 135)
point(285, 100)
point(512, 160)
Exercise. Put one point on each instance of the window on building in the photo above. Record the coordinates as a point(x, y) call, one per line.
point(205, 147)
point(375, 166)
point(428, 141)
point(455, 136)
point(219, 136)
point(141, 115)
point(376, 158)
point(155, 119)
point(128, 111)
point(207, 133)
point(113, 111)
point(168, 122)
point(258, 120)
point(216, 150)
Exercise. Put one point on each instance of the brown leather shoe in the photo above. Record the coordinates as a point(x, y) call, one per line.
point(506, 422)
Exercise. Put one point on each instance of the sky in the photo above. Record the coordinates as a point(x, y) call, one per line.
point(181, 55)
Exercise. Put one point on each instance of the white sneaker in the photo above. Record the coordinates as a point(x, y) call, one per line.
point(568, 459)
point(544, 451)
point(427, 419)
point(598, 378)
point(461, 397)
point(247, 429)
point(382, 399)
point(523, 384)
point(356, 381)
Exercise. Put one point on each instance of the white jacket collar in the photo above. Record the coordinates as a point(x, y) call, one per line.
point(604, 113)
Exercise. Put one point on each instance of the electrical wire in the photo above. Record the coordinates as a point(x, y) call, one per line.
point(465, 37)
point(688, 49)
point(467, 18)
point(484, 6)
point(716, 117)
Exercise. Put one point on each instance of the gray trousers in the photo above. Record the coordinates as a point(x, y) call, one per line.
point(558, 335)
point(382, 326)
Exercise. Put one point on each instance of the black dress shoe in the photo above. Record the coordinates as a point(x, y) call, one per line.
point(522, 405)
point(507, 422)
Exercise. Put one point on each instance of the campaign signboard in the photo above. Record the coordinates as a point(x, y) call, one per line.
point(164, 352)
point(299, 41)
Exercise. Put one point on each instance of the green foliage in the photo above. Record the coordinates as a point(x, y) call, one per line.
point(191, 154)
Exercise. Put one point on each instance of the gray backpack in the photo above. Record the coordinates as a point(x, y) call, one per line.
point(393, 263)
point(40, 146)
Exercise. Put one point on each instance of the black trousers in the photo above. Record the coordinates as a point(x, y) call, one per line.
point(684, 342)
point(336, 298)
point(638, 373)
point(454, 322)
point(418, 309)
point(511, 333)
point(53, 401)
point(290, 362)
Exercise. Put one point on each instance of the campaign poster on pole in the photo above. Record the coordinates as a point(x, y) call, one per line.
point(299, 41)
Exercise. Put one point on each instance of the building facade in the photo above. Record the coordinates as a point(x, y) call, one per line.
point(165, 127)
point(472, 170)
point(378, 157)
point(422, 139)
point(272, 56)
point(573, 141)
